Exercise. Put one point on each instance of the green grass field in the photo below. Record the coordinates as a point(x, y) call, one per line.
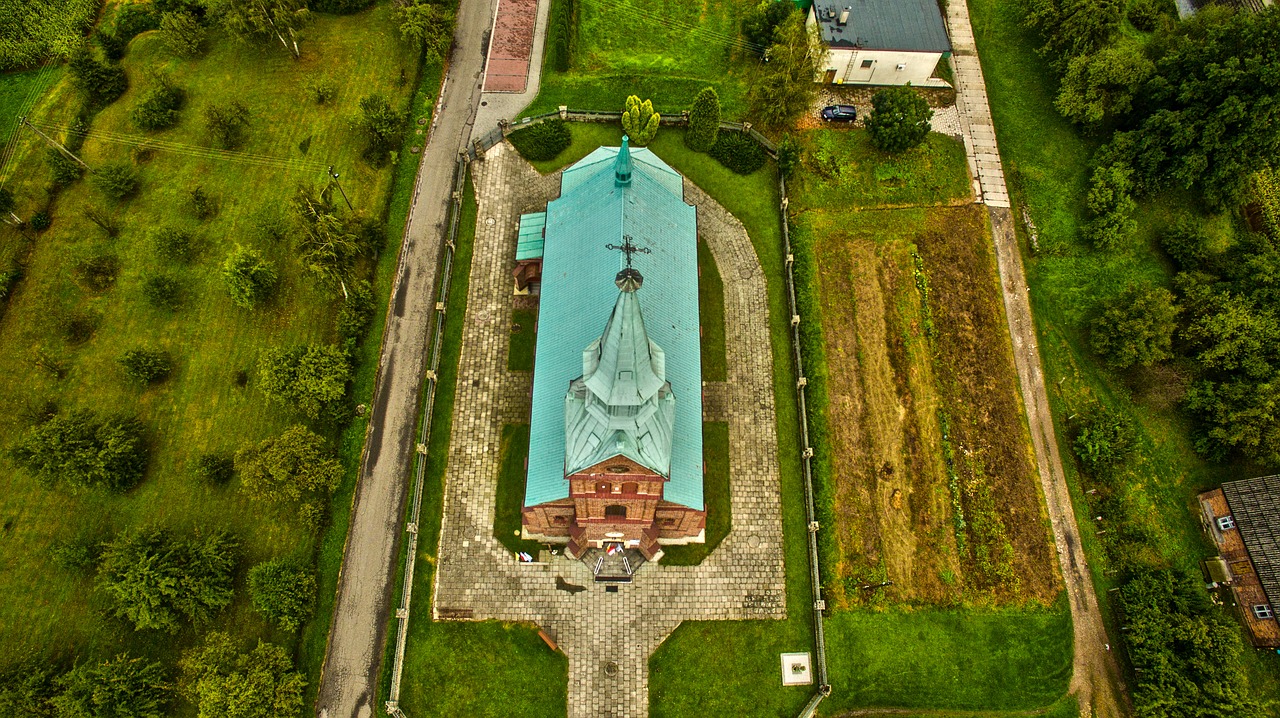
point(20, 90)
point(520, 356)
point(1046, 161)
point(668, 53)
point(715, 491)
point(842, 169)
point(711, 315)
point(506, 521)
point(201, 408)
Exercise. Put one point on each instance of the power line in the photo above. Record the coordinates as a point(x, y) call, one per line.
point(37, 89)
point(207, 153)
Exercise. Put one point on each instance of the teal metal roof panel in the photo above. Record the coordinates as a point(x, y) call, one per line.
point(578, 295)
point(530, 241)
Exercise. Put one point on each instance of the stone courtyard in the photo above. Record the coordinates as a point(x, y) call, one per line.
point(608, 637)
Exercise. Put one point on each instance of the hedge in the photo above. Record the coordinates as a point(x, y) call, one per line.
point(541, 142)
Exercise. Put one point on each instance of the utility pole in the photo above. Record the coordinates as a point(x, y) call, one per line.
point(334, 175)
point(54, 143)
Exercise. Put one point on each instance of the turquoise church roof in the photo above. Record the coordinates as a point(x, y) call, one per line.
point(597, 345)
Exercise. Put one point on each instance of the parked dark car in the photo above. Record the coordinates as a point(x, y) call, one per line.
point(840, 113)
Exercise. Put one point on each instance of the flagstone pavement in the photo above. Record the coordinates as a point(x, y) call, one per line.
point(607, 637)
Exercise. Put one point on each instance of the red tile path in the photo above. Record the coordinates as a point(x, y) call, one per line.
point(511, 46)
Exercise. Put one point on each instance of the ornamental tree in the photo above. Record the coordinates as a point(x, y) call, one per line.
point(312, 380)
point(639, 121)
point(85, 450)
point(899, 119)
point(154, 580)
point(283, 591)
point(704, 121)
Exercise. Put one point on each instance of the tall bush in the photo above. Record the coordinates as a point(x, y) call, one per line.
point(250, 278)
point(899, 119)
point(639, 121)
point(704, 121)
point(85, 450)
point(543, 141)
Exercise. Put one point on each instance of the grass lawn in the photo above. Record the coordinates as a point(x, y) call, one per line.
point(668, 53)
point(715, 489)
point(1008, 659)
point(510, 669)
point(20, 90)
point(711, 315)
point(202, 407)
point(1047, 165)
point(506, 520)
point(520, 354)
point(842, 170)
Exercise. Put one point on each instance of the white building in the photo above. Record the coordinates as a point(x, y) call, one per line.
point(881, 42)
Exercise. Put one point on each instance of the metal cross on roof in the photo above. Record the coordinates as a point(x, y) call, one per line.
point(627, 247)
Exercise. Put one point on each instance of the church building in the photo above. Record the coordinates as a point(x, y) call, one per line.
point(615, 445)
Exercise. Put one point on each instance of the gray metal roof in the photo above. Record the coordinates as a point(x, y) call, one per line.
point(905, 25)
point(1255, 505)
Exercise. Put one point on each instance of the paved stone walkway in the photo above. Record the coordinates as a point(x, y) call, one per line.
point(976, 127)
point(477, 578)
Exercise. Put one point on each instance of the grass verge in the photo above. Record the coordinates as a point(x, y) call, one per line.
point(715, 490)
point(520, 348)
point(711, 315)
point(506, 520)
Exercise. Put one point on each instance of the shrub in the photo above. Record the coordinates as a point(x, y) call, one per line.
point(293, 466)
point(162, 292)
point(1136, 327)
point(221, 681)
point(283, 591)
point(121, 686)
point(739, 152)
point(41, 220)
point(79, 327)
point(100, 83)
point(313, 380)
point(146, 366)
point(704, 121)
point(250, 278)
point(117, 181)
point(1103, 440)
point(355, 315)
point(216, 468)
point(788, 156)
point(200, 204)
point(62, 169)
point(1111, 205)
point(172, 243)
point(639, 121)
point(339, 7)
point(561, 29)
point(75, 554)
point(899, 119)
point(98, 273)
point(382, 125)
point(160, 107)
point(227, 124)
point(86, 451)
point(320, 91)
point(1189, 242)
point(152, 579)
point(129, 21)
point(541, 142)
point(182, 33)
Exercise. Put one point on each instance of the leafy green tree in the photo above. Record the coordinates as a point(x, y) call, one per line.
point(1111, 205)
point(761, 22)
point(160, 107)
point(62, 169)
point(153, 580)
point(222, 682)
point(704, 121)
point(312, 380)
point(428, 26)
point(1237, 415)
point(258, 20)
point(1135, 327)
point(216, 468)
point(1100, 88)
point(382, 125)
point(899, 119)
point(283, 591)
point(1189, 243)
point(182, 33)
point(227, 124)
point(328, 245)
point(85, 450)
point(121, 687)
point(1071, 28)
point(162, 291)
point(783, 88)
point(639, 121)
point(26, 685)
point(788, 156)
point(172, 243)
point(1228, 332)
point(118, 181)
point(99, 82)
point(1103, 440)
point(355, 315)
point(250, 278)
point(146, 366)
point(292, 466)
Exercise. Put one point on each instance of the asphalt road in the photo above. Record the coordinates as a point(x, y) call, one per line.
point(348, 685)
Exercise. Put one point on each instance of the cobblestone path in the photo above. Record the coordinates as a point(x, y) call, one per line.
point(477, 578)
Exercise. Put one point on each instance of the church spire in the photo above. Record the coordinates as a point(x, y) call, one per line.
point(622, 165)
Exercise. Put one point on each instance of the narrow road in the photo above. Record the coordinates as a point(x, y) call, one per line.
point(1096, 680)
point(348, 685)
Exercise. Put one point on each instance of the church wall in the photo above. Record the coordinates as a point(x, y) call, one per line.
point(675, 521)
point(542, 519)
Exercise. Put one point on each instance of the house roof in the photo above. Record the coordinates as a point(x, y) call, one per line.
point(578, 298)
point(1255, 506)
point(905, 25)
point(529, 243)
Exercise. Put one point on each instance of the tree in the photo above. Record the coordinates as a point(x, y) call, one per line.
point(382, 125)
point(283, 591)
point(146, 366)
point(250, 278)
point(762, 21)
point(224, 683)
point(160, 107)
point(784, 86)
point(85, 450)
point(117, 181)
point(153, 579)
point(788, 156)
point(704, 120)
point(313, 380)
point(639, 121)
point(899, 119)
point(26, 685)
point(227, 124)
point(1229, 333)
point(62, 169)
point(99, 82)
point(7, 204)
point(429, 26)
point(355, 315)
point(1111, 204)
point(1237, 415)
point(121, 687)
point(264, 20)
point(1103, 440)
point(182, 33)
point(1100, 88)
point(162, 292)
point(288, 467)
point(327, 245)
point(173, 243)
point(1071, 28)
point(1136, 327)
